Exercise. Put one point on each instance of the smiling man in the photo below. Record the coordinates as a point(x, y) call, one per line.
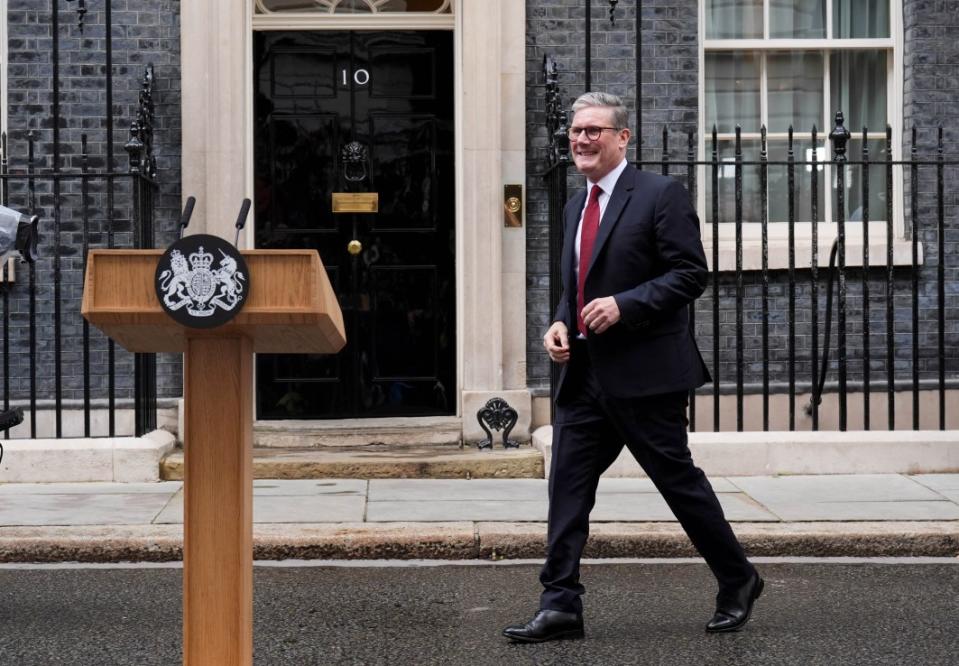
point(632, 263)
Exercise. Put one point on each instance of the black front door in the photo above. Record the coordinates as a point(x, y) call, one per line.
point(361, 112)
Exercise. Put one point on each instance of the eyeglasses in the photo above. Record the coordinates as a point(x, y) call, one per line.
point(592, 133)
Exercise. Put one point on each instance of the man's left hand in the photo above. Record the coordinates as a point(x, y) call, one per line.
point(600, 314)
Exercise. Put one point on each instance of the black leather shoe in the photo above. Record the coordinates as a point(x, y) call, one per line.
point(547, 625)
point(733, 608)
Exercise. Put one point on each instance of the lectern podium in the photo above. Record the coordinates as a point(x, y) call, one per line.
point(291, 308)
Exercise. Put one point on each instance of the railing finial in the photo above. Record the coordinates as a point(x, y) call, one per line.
point(839, 137)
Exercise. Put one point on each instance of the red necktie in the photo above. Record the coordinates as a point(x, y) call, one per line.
point(586, 241)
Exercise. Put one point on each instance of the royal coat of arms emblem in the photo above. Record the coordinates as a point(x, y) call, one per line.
point(202, 281)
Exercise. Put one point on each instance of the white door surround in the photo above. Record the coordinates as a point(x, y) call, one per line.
point(489, 52)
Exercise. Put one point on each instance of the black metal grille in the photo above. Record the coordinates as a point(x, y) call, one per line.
point(52, 362)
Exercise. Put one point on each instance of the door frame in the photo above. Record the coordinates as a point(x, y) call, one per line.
point(490, 128)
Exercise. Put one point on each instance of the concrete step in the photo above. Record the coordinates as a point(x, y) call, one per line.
point(429, 430)
point(383, 461)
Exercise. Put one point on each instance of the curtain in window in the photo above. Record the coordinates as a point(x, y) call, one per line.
point(734, 19)
point(859, 88)
point(797, 19)
point(852, 19)
point(732, 91)
point(795, 85)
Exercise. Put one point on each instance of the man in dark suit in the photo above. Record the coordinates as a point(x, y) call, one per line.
point(632, 262)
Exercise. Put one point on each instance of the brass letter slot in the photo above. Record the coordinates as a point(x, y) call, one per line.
point(356, 202)
point(513, 205)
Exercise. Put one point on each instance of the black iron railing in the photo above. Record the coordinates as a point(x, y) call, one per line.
point(738, 342)
point(80, 209)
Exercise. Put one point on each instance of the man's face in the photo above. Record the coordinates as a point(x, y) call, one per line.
point(595, 159)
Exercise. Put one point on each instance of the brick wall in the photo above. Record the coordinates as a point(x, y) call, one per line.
point(144, 31)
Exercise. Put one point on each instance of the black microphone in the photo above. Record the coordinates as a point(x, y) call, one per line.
point(241, 220)
point(187, 214)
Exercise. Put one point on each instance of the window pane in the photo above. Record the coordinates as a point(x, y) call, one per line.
point(354, 6)
point(732, 91)
point(802, 180)
point(859, 89)
point(797, 19)
point(795, 91)
point(860, 18)
point(877, 181)
point(734, 19)
point(752, 211)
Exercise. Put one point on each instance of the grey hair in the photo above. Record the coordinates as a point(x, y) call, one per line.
point(606, 100)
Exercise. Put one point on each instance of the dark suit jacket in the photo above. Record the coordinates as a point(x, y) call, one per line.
point(649, 256)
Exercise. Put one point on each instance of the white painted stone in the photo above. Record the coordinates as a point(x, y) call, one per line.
point(137, 460)
point(541, 412)
point(118, 459)
point(56, 460)
point(473, 401)
point(773, 453)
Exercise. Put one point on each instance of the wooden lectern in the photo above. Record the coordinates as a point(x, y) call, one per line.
point(291, 308)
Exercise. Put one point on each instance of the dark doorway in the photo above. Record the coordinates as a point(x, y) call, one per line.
point(389, 95)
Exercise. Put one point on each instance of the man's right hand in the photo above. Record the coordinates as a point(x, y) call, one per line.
point(556, 342)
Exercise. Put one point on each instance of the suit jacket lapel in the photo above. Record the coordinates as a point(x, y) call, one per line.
point(614, 210)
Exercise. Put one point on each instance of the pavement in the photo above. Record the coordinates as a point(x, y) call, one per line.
point(865, 515)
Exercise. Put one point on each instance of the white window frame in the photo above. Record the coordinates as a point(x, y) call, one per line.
point(778, 231)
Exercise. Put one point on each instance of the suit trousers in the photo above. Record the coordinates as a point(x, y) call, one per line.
point(589, 432)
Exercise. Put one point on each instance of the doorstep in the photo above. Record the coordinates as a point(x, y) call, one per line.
point(422, 431)
point(384, 461)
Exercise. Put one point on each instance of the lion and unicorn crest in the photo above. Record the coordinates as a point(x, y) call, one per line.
point(199, 287)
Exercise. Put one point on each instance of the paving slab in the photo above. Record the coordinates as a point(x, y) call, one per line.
point(82, 509)
point(444, 490)
point(295, 487)
point(172, 513)
point(281, 509)
point(91, 488)
point(618, 485)
point(937, 481)
point(441, 511)
point(309, 509)
point(834, 488)
point(951, 495)
point(650, 507)
point(868, 511)
point(848, 498)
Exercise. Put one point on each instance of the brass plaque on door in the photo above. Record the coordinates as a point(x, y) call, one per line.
point(356, 202)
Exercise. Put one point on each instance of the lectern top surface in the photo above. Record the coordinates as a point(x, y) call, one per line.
point(291, 306)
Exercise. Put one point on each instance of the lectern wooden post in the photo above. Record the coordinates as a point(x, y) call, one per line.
point(291, 308)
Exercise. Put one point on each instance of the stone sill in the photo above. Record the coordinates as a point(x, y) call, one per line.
point(778, 253)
